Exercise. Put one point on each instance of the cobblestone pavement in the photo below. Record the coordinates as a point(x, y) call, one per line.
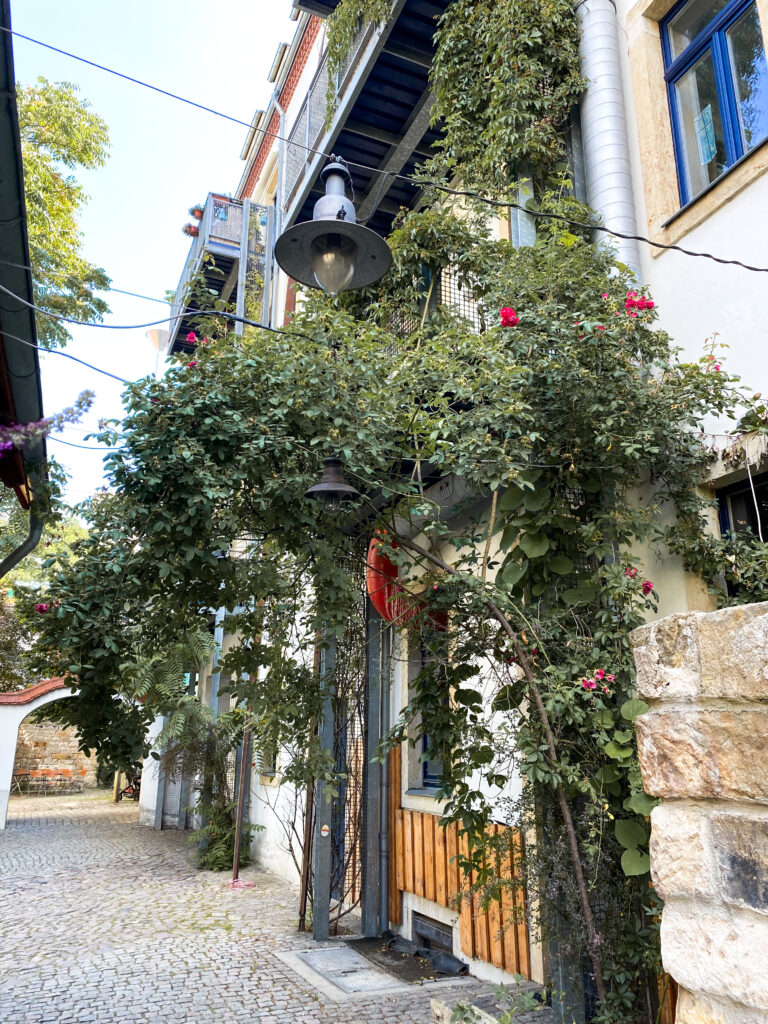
point(103, 921)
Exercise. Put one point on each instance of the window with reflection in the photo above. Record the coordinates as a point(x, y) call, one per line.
point(717, 80)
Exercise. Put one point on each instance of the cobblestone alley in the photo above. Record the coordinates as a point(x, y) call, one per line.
point(106, 922)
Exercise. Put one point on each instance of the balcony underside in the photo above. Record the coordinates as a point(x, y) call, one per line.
point(220, 280)
point(387, 124)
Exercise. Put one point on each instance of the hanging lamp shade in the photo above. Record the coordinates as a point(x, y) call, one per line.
point(333, 251)
point(333, 489)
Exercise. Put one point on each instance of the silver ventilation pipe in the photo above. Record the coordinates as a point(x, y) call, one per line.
point(604, 128)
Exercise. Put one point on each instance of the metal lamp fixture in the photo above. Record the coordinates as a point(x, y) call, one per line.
point(333, 489)
point(333, 251)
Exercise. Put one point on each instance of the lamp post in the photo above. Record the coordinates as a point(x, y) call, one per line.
point(332, 251)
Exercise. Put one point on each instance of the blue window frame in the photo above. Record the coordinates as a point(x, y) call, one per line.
point(717, 81)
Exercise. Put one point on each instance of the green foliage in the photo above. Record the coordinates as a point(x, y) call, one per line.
point(506, 76)
point(342, 26)
point(21, 587)
point(215, 840)
point(563, 415)
point(59, 133)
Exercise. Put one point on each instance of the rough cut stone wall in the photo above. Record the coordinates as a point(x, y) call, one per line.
point(48, 745)
point(704, 750)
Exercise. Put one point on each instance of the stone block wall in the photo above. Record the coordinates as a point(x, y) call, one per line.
point(48, 745)
point(703, 749)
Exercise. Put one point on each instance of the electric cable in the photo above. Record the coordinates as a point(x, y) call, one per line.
point(417, 182)
point(67, 355)
point(122, 291)
point(85, 447)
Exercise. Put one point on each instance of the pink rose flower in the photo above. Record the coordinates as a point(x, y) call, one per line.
point(509, 317)
point(716, 367)
point(600, 674)
point(42, 607)
point(191, 337)
point(611, 678)
point(192, 364)
point(631, 572)
point(646, 588)
point(604, 295)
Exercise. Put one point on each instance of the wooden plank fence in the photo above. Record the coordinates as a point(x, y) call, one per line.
point(423, 861)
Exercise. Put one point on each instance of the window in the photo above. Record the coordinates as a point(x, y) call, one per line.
point(717, 81)
point(740, 508)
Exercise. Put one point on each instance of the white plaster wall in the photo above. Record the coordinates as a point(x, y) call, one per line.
point(151, 782)
point(269, 805)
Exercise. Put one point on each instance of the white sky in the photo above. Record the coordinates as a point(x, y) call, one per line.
point(165, 156)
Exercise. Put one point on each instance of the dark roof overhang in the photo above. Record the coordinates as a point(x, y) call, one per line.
point(20, 387)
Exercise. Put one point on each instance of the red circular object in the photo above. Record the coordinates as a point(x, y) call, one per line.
point(381, 582)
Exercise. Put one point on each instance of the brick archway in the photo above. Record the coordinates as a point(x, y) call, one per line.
point(14, 708)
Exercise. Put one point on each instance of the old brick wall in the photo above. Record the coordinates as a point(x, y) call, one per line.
point(704, 750)
point(47, 745)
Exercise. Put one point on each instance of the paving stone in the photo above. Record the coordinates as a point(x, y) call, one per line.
point(103, 921)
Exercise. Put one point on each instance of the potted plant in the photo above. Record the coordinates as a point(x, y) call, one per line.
point(196, 211)
point(191, 229)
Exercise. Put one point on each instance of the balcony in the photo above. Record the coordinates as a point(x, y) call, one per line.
point(382, 116)
point(237, 234)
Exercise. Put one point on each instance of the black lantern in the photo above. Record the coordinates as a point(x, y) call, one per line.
point(332, 251)
point(333, 488)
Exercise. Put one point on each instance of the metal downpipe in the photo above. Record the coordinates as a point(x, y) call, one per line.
point(28, 544)
point(604, 129)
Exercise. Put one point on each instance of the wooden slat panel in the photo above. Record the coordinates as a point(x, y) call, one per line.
point(452, 868)
point(395, 827)
point(510, 935)
point(441, 866)
point(524, 950)
point(418, 853)
point(667, 1000)
point(398, 850)
point(480, 925)
point(466, 931)
point(408, 850)
point(494, 916)
point(429, 822)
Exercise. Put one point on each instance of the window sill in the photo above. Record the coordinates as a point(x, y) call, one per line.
point(740, 174)
point(425, 791)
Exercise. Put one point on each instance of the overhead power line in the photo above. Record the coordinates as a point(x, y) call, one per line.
point(85, 447)
point(417, 182)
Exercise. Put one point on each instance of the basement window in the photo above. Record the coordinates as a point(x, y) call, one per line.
point(431, 934)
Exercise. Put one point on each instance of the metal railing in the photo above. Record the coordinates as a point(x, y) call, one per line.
point(221, 231)
point(309, 126)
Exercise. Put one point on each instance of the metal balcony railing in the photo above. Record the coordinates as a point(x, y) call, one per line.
point(238, 236)
point(309, 127)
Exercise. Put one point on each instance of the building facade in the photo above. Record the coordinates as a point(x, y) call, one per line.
point(670, 145)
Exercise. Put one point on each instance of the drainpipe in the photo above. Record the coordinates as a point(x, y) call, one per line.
point(386, 661)
point(604, 128)
point(278, 207)
point(27, 545)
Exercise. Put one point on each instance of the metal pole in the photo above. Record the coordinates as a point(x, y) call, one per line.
point(321, 904)
point(386, 648)
point(245, 760)
point(372, 770)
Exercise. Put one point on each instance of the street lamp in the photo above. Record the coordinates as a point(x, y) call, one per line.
point(333, 489)
point(333, 251)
